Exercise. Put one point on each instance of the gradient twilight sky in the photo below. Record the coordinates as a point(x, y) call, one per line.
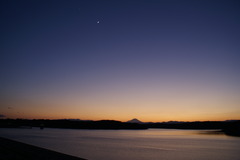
point(156, 60)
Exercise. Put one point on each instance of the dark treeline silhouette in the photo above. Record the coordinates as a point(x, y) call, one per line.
point(228, 127)
point(190, 125)
point(232, 129)
point(103, 124)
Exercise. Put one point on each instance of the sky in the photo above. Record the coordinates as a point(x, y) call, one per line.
point(155, 60)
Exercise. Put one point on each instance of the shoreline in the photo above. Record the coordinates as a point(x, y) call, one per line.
point(13, 150)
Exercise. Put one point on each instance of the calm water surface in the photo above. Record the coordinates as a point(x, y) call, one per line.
point(151, 144)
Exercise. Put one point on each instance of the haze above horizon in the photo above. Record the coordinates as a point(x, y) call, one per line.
point(158, 60)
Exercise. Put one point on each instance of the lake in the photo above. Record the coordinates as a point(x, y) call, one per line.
point(150, 144)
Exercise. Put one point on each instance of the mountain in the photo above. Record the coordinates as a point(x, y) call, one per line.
point(135, 120)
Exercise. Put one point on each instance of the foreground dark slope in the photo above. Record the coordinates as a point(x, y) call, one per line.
point(12, 150)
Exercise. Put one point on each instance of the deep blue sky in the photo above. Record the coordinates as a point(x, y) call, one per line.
point(145, 58)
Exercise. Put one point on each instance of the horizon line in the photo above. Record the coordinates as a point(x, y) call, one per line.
point(76, 119)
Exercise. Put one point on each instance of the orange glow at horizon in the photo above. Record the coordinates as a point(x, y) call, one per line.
point(124, 100)
point(156, 118)
point(147, 110)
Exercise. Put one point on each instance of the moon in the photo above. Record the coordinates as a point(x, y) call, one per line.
point(98, 21)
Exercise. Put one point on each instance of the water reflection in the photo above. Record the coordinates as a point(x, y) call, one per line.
point(154, 144)
point(212, 132)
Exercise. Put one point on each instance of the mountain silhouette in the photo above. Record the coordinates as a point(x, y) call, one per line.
point(135, 120)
